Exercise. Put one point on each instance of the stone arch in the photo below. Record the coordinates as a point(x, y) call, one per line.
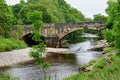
point(29, 41)
point(64, 35)
point(60, 38)
point(69, 33)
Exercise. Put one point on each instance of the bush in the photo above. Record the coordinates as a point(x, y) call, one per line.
point(109, 35)
point(2, 47)
point(8, 44)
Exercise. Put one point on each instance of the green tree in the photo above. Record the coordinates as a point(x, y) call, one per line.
point(5, 19)
point(113, 22)
point(32, 1)
point(54, 11)
point(109, 35)
point(111, 11)
point(88, 19)
point(37, 52)
point(22, 2)
point(36, 19)
point(117, 27)
point(99, 17)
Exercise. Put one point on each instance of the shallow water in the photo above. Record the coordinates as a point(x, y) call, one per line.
point(63, 65)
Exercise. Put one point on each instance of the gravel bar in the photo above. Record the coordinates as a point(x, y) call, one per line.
point(19, 56)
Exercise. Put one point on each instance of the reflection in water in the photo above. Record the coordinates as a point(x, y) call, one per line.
point(54, 58)
point(63, 65)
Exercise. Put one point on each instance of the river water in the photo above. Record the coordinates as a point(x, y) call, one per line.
point(62, 65)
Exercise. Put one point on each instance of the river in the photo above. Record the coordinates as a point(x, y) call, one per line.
point(62, 65)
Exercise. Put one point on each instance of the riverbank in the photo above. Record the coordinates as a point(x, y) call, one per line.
point(105, 68)
point(20, 56)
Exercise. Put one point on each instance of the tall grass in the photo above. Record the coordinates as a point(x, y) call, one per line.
point(104, 69)
point(108, 49)
point(8, 44)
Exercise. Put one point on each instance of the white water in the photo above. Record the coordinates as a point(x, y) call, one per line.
point(84, 46)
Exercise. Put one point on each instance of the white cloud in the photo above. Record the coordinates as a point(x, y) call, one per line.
point(12, 2)
point(89, 7)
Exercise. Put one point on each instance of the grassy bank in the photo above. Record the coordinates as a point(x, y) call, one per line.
point(104, 69)
point(11, 44)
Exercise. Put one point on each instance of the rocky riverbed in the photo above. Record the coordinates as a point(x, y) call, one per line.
point(22, 55)
point(99, 46)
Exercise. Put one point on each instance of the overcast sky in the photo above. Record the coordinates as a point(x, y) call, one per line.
point(87, 7)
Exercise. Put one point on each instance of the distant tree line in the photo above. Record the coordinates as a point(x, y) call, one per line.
point(54, 11)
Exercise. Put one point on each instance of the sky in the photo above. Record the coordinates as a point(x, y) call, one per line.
point(87, 7)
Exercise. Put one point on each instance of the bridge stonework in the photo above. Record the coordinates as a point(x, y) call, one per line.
point(55, 32)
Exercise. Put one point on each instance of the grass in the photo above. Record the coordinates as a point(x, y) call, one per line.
point(8, 44)
point(104, 69)
point(89, 64)
point(108, 49)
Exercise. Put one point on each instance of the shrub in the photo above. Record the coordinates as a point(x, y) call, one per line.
point(2, 47)
point(109, 35)
point(8, 44)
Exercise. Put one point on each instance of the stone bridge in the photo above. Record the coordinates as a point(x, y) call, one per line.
point(54, 33)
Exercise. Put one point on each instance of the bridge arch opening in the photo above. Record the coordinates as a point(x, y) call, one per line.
point(29, 41)
point(69, 37)
point(97, 32)
point(79, 32)
point(72, 36)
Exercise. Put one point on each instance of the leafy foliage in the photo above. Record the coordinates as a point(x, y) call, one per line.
point(113, 23)
point(73, 36)
point(111, 11)
point(5, 19)
point(10, 44)
point(99, 17)
point(53, 11)
point(109, 35)
point(37, 52)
